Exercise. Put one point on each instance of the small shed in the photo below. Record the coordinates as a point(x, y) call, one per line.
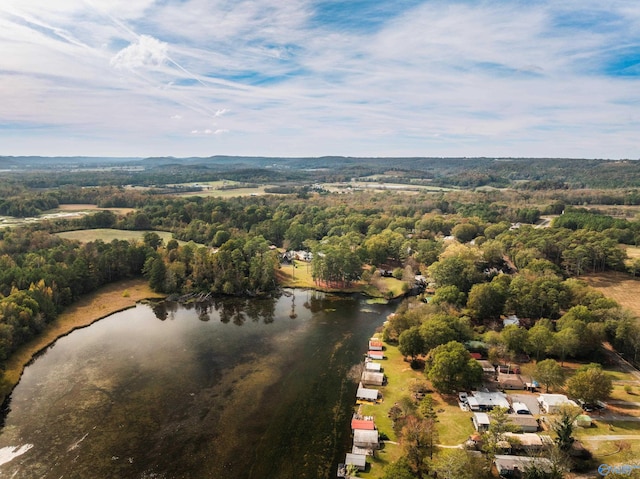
point(487, 367)
point(358, 460)
point(583, 420)
point(375, 345)
point(511, 320)
point(366, 439)
point(371, 378)
point(375, 355)
point(481, 421)
point(371, 366)
point(367, 394)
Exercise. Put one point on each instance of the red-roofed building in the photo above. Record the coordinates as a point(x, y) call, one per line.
point(476, 355)
point(375, 345)
point(375, 354)
point(364, 424)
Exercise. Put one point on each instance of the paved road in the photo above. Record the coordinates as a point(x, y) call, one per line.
point(625, 365)
point(610, 437)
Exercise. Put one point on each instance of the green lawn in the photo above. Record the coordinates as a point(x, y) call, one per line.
point(454, 425)
point(621, 395)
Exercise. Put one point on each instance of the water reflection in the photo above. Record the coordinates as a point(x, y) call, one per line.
point(193, 395)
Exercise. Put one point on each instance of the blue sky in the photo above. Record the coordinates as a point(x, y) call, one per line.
point(320, 77)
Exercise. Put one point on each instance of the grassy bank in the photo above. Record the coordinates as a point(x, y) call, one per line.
point(298, 275)
point(454, 425)
point(92, 307)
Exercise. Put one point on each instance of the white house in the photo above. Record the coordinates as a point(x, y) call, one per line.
point(482, 401)
point(481, 421)
point(551, 403)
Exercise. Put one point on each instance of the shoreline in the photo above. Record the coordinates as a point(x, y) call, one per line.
point(92, 307)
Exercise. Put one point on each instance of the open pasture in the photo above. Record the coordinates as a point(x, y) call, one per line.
point(618, 286)
point(107, 235)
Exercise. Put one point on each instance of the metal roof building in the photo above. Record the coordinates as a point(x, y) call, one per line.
point(365, 424)
point(371, 378)
point(366, 393)
point(371, 366)
point(358, 460)
point(366, 439)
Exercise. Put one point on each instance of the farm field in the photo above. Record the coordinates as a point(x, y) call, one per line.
point(82, 207)
point(223, 189)
point(618, 286)
point(107, 235)
point(64, 211)
point(633, 252)
point(382, 186)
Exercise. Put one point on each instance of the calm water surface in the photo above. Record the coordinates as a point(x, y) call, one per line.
point(235, 389)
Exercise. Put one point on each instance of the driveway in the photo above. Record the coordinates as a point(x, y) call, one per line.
point(530, 400)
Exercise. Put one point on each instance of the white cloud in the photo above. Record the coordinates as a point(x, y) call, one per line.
point(441, 78)
point(146, 51)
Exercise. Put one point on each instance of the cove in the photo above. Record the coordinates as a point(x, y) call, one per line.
point(235, 388)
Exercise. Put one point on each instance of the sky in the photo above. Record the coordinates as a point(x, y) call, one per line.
point(380, 78)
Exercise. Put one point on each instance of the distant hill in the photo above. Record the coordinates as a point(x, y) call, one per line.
point(530, 173)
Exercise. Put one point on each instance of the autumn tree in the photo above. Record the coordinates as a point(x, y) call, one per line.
point(419, 438)
point(549, 373)
point(590, 384)
point(539, 338)
point(450, 368)
point(410, 343)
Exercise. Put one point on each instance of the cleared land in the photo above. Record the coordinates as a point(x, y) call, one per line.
point(107, 235)
point(80, 207)
point(618, 286)
point(298, 275)
point(222, 189)
point(69, 211)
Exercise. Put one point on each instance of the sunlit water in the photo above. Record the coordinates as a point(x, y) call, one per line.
point(240, 389)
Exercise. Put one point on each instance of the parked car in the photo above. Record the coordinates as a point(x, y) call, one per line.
point(463, 396)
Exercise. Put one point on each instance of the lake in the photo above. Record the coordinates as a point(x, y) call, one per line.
point(237, 388)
